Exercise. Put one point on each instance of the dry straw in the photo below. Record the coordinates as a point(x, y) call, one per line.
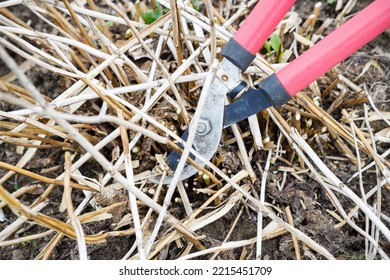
point(118, 97)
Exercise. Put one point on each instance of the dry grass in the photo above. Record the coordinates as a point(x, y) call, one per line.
point(123, 99)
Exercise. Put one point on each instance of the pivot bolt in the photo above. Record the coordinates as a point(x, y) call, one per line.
point(203, 127)
point(225, 77)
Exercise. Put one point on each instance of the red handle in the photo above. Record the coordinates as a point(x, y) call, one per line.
point(261, 22)
point(337, 46)
point(255, 30)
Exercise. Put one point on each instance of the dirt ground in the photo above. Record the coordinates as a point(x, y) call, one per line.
point(309, 203)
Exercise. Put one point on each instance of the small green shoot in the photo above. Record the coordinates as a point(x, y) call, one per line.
point(274, 44)
point(196, 4)
point(153, 14)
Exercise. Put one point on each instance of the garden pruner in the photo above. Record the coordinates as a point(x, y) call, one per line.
point(278, 88)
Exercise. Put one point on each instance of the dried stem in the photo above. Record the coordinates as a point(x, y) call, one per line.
point(69, 206)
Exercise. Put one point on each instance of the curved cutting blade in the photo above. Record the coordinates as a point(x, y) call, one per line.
point(210, 125)
point(208, 134)
point(254, 100)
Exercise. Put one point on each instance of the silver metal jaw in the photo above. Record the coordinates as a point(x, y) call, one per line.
point(209, 129)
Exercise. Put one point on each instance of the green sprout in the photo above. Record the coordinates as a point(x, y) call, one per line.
point(274, 44)
point(196, 4)
point(152, 14)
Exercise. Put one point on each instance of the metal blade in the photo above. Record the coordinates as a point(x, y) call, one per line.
point(208, 134)
point(210, 125)
point(250, 103)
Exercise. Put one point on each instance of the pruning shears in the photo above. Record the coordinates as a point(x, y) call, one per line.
point(277, 89)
